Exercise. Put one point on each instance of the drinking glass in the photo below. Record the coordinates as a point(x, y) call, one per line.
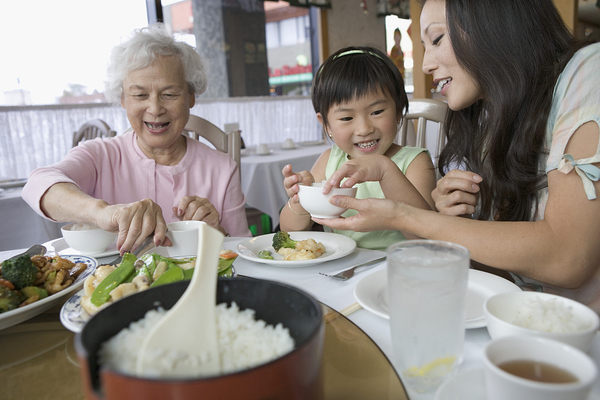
point(427, 287)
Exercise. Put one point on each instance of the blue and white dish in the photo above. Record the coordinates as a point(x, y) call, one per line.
point(10, 318)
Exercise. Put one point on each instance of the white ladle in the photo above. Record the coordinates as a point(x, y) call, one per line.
point(189, 328)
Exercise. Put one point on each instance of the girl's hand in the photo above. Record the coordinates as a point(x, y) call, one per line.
point(358, 170)
point(457, 193)
point(194, 208)
point(292, 180)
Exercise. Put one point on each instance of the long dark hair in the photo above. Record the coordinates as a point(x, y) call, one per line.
point(353, 72)
point(515, 50)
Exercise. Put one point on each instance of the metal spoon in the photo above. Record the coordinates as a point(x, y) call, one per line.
point(189, 328)
point(36, 249)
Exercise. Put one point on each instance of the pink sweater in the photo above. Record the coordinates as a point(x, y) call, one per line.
point(118, 172)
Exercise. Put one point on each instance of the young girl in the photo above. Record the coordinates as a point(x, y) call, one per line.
point(524, 122)
point(358, 95)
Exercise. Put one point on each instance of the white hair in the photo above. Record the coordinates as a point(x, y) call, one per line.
point(142, 49)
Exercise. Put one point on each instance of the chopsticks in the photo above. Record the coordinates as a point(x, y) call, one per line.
point(350, 309)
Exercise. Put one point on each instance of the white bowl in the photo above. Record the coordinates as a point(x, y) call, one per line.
point(87, 239)
point(501, 310)
point(317, 204)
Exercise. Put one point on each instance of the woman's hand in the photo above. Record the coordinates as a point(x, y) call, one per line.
point(358, 170)
point(194, 208)
point(292, 179)
point(457, 193)
point(373, 214)
point(134, 222)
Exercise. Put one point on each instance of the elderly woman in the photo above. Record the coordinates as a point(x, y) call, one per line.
point(151, 175)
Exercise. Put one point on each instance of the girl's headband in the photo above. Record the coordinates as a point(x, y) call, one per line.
point(349, 53)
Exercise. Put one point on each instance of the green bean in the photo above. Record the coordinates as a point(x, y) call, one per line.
point(102, 292)
point(174, 274)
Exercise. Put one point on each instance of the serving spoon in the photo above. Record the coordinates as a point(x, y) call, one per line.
point(36, 249)
point(189, 328)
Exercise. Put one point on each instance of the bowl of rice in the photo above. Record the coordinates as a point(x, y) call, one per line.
point(271, 338)
point(543, 315)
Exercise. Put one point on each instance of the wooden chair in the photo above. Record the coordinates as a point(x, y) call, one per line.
point(95, 128)
point(229, 143)
point(423, 110)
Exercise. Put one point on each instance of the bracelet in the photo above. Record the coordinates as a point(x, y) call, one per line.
point(300, 215)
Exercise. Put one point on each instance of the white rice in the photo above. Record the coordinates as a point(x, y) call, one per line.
point(551, 315)
point(244, 342)
point(83, 227)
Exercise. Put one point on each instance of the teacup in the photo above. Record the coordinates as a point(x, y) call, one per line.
point(263, 148)
point(566, 372)
point(288, 144)
point(184, 236)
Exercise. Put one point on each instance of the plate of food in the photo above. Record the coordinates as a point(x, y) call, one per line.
point(296, 249)
point(371, 293)
point(51, 286)
point(155, 270)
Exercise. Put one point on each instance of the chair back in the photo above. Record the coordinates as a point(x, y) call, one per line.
point(94, 128)
point(229, 143)
point(424, 110)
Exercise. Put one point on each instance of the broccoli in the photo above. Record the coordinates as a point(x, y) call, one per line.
point(21, 271)
point(266, 254)
point(9, 299)
point(282, 239)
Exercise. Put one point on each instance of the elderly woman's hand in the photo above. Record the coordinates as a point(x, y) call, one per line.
point(194, 208)
point(134, 222)
point(457, 193)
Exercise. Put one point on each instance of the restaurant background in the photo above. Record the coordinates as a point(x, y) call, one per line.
point(262, 56)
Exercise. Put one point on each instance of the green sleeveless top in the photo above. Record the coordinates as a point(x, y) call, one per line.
point(378, 240)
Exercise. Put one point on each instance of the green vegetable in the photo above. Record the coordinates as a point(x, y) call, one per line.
point(20, 271)
point(145, 272)
point(9, 299)
point(102, 292)
point(187, 274)
point(31, 291)
point(266, 254)
point(282, 239)
point(171, 275)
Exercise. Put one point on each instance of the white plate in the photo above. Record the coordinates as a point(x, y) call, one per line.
point(72, 315)
point(371, 294)
point(470, 385)
point(19, 315)
point(336, 246)
point(61, 248)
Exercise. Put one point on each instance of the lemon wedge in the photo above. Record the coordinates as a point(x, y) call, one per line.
point(437, 368)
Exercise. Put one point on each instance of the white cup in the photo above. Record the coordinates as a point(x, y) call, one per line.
point(184, 236)
point(427, 288)
point(263, 149)
point(502, 385)
point(288, 144)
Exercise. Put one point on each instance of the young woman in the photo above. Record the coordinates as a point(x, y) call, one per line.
point(358, 95)
point(524, 127)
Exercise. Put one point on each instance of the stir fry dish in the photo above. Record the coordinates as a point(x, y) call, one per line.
point(109, 283)
point(25, 279)
point(293, 250)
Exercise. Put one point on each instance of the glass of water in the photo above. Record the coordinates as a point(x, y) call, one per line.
point(427, 287)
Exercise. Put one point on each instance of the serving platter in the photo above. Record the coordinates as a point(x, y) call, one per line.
point(336, 246)
point(10, 318)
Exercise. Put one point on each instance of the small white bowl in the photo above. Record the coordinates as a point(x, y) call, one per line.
point(501, 310)
point(87, 239)
point(317, 204)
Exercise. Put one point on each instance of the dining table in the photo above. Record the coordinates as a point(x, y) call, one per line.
point(39, 360)
point(262, 180)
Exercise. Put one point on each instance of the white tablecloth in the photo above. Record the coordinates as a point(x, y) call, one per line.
point(21, 226)
point(339, 295)
point(262, 180)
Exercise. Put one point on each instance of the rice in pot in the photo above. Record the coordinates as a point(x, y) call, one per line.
point(244, 342)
